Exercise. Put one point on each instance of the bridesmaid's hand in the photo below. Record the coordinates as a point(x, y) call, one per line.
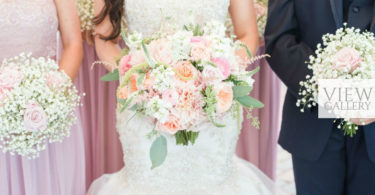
point(69, 27)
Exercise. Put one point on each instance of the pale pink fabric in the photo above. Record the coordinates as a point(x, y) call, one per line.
point(102, 144)
point(259, 146)
point(31, 26)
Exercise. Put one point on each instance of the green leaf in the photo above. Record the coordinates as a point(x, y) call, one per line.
point(240, 91)
point(123, 34)
point(140, 79)
point(193, 136)
point(247, 50)
point(251, 73)
point(112, 76)
point(158, 151)
point(126, 104)
point(149, 60)
point(134, 108)
point(248, 101)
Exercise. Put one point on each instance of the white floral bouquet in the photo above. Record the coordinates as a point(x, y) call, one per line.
point(37, 104)
point(348, 54)
point(182, 78)
point(85, 10)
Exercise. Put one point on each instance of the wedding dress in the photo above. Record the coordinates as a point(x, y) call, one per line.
point(207, 167)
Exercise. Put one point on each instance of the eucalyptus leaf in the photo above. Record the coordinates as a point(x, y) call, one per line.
point(248, 101)
point(240, 91)
point(158, 151)
point(134, 108)
point(126, 104)
point(112, 76)
point(140, 79)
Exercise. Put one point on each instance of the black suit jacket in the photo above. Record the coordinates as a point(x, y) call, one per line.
point(293, 30)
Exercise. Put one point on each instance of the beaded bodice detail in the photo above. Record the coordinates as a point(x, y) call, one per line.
point(205, 164)
point(28, 26)
point(147, 16)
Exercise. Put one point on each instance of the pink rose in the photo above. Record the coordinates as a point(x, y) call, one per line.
point(347, 58)
point(199, 51)
point(260, 10)
point(197, 39)
point(124, 65)
point(223, 65)
point(161, 51)
point(171, 126)
point(170, 96)
point(224, 94)
point(211, 74)
point(55, 80)
point(138, 57)
point(35, 118)
point(10, 77)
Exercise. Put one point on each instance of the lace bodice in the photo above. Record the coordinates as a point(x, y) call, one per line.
point(205, 164)
point(28, 26)
point(146, 16)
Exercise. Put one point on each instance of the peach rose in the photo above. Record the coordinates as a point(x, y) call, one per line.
point(347, 58)
point(133, 83)
point(161, 51)
point(224, 97)
point(148, 82)
point(223, 65)
point(171, 126)
point(199, 51)
point(185, 69)
point(124, 93)
point(35, 118)
point(124, 64)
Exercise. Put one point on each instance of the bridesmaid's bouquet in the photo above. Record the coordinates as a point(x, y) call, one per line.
point(37, 104)
point(348, 54)
point(261, 10)
point(182, 78)
point(85, 10)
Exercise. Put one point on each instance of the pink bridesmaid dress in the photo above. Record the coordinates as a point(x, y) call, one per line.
point(32, 26)
point(102, 145)
point(259, 146)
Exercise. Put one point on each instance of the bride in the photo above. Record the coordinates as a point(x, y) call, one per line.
point(210, 165)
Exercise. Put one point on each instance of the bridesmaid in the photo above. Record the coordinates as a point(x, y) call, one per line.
point(102, 147)
point(259, 146)
point(32, 26)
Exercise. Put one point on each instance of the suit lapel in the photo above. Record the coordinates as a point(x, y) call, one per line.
point(372, 27)
point(337, 10)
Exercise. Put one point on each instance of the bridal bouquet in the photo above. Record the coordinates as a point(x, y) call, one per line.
point(37, 104)
point(182, 78)
point(348, 54)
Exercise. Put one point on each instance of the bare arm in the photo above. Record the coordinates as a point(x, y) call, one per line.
point(107, 51)
point(71, 37)
point(244, 23)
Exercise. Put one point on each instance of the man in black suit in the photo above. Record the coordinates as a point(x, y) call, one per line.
point(325, 162)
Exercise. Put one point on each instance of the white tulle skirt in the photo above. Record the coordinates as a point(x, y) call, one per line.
point(244, 180)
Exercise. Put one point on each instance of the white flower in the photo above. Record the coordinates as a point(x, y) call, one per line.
point(163, 78)
point(158, 109)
